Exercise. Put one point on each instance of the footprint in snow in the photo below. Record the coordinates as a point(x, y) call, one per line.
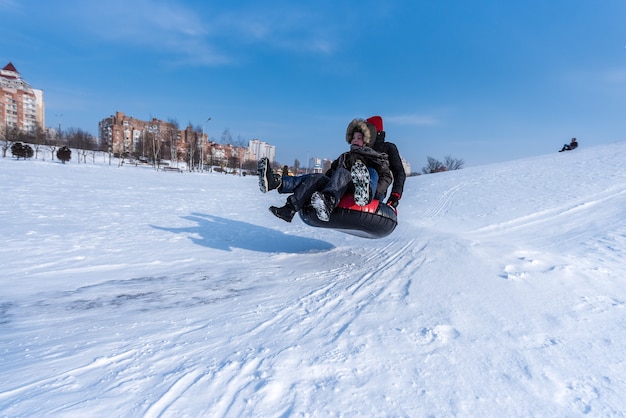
point(440, 333)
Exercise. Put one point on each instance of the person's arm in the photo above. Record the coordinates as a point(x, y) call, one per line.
point(397, 169)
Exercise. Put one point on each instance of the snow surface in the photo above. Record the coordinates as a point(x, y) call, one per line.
point(128, 292)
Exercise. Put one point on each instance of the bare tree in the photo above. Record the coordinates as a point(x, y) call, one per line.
point(82, 141)
point(434, 166)
point(52, 145)
point(453, 163)
point(39, 140)
point(227, 138)
point(10, 137)
point(56, 141)
point(211, 155)
point(171, 139)
point(155, 147)
point(241, 142)
point(193, 138)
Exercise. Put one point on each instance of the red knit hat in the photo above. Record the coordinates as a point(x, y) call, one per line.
point(377, 121)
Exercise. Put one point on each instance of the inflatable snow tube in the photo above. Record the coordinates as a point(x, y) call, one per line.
point(375, 220)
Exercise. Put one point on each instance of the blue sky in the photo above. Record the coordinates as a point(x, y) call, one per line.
point(482, 80)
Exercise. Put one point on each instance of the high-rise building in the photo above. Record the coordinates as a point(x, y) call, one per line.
point(258, 149)
point(21, 106)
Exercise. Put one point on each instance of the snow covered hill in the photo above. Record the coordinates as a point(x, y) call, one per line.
point(128, 292)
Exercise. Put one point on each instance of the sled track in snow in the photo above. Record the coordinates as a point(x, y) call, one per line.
point(203, 361)
point(354, 282)
point(441, 206)
point(578, 211)
point(320, 318)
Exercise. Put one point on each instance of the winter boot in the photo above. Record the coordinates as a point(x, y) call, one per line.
point(323, 205)
point(286, 213)
point(267, 179)
point(361, 180)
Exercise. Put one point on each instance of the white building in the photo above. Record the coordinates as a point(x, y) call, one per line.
point(259, 149)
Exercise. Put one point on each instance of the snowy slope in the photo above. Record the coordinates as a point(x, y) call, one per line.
point(129, 292)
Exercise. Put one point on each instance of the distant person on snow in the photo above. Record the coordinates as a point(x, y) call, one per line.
point(366, 170)
point(571, 146)
point(395, 162)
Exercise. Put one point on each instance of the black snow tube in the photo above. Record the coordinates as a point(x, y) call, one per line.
point(375, 220)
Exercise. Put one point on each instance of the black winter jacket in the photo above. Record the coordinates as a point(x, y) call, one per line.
point(395, 162)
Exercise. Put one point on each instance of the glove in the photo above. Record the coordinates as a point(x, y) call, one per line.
point(393, 200)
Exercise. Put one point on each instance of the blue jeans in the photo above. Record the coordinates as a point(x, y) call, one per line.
point(373, 183)
point(302, 187)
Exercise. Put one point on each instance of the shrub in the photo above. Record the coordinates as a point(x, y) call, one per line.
point(64, 154)
point(21, 150)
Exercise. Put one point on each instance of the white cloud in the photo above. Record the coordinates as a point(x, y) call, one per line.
point(204, 35)
point(287, 28)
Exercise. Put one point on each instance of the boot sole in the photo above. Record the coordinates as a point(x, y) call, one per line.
point(361, 180)
point(262, 168)
point(319, 204)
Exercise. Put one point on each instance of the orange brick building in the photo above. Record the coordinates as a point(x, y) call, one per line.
point(21, 106)
point(124, 134)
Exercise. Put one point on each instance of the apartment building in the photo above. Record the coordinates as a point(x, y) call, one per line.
point(21, 106)
point(127, 135)
point(258, 149)
point(122, 133)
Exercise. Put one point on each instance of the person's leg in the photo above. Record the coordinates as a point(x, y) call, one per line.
point(302, 187)
point(326, 201)
point(373, 183)
point(338, 184)
point(305, 189)
point(290, 183)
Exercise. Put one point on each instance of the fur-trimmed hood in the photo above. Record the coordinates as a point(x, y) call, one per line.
point(369, 131)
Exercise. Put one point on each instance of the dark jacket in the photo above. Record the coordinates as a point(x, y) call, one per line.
point(395, 162)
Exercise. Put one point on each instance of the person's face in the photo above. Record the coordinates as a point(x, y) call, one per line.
point(357, 139)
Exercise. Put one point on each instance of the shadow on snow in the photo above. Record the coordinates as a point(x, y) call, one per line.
point(226, 234)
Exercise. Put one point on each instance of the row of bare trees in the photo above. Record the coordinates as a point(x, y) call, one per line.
point(195, 153)
point(448, 164)
point(152, 147)
point(41, 139)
